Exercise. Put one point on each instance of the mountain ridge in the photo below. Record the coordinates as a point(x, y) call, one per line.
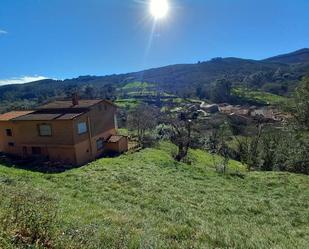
point(298, 56)
point(270, 60)
point(282, 73)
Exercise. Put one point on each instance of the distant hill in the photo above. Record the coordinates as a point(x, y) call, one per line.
point(177, 77)
point(299, 56)
point(277, 75)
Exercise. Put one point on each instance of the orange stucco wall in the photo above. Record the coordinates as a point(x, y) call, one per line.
point(120, 146)
point(65, 144)
point(60, 146)
point(86, 151)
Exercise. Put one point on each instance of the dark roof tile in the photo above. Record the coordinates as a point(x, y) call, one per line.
point(38, 116)
point(58, 110)
point(65, 104)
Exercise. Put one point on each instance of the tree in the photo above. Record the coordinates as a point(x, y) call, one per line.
point(248, 148)
point(89, 92)
point(301, 101)
point(217, 144)
point(221, 91)
point(269, 147)
point(107, 91)
point(142, 119)
point(181, 131)
point(292, 153)
point(296, 157)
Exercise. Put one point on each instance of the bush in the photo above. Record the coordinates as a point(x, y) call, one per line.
point(293, 153)
point(28, 219)
point(275, 88)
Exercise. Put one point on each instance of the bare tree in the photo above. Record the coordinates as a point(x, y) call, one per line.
point(181, 131)
point(248, 148)
point(142, 119)
point(301, 112)
point(217, 144)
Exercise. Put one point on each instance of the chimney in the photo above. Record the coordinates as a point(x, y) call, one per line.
point(74, 99)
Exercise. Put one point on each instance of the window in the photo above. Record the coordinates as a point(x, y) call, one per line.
point(45, 130)
point(11, 144)
point(82, 127)
point(115, 122)
point(100, 144)
point(36, 151)
point(9, 132)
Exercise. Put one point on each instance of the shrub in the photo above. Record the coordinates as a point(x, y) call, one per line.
point(293, 153)
point(28, 219)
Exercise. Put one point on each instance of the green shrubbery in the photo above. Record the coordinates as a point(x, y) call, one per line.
point(275, 151)
point(30, 219)
point(258, 97)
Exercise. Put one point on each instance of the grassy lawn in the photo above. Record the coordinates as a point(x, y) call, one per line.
point(137, 84)
point(143, 93)
point(127, 103)
point(147, 200)
point(259, 96)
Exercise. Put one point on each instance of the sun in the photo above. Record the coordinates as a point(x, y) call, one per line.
point(159, 8)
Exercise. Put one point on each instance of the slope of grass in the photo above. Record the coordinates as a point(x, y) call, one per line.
point(147, 200)
point(137, 84)
point(259, 96)
point(127, 103)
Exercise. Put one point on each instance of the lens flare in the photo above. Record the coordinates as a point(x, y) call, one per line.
point(159, 8)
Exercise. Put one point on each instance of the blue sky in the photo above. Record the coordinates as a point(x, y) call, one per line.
point(67, 38)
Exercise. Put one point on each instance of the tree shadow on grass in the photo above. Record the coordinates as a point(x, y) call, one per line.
point(34, 164)
point(42, 164)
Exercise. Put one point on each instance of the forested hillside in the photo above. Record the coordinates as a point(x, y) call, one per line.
point(299, 56)
point(277, 75)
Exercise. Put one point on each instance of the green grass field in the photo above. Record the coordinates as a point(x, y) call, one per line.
point(259, 96)
point(147, 200)
point(127, 103)
point(137, 84)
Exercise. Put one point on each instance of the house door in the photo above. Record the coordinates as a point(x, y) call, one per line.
point(36, 151)
point(25, 151)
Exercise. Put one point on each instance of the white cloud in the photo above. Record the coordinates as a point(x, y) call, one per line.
point(3, 32)
point(21, 80)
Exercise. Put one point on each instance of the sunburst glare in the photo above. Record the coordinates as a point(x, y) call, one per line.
point(159, 8)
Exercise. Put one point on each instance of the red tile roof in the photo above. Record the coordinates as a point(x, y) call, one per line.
point(15, 114)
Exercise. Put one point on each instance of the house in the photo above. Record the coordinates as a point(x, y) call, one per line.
point(73, 132)
point(238, 110)
point(214, 108)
